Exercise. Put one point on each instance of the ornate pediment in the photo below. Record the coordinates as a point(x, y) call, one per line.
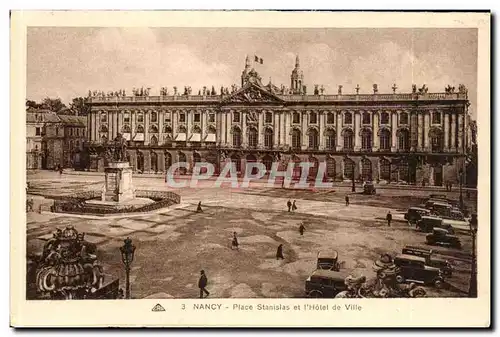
point(252, 93)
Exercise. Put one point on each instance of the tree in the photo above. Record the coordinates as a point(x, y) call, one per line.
point(53, 104)
point(31, 104)
point(79, 107)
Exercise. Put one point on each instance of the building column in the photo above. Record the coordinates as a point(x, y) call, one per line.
point(203, 123)
point(288, 120)
point(357, 129)
point(276, 130)
point(304, 130)
point(132, 124)
point(375, 137)
point(446, 131)
point(119, 123)
point(260, 130)
point(426, 130)
point(420, 121)
point(322, 122)
point(109, 116)
point(189, 123)
point(146, 132)
point(218, 127)
point(92, 130)
point(431, 175)
point(117, 129)
point(453, 144)
point(394, 128)
point(339, 131)
point(161, 119)
point(243, 115)
point(460, 133)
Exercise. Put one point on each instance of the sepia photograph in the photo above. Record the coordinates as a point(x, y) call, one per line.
point(270, 163)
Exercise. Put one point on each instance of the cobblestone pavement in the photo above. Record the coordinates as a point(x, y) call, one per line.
point(174, 244)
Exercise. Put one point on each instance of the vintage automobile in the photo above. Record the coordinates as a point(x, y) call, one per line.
point(328, 260)
point(414, 269)
point(440, 236)
point(437, 196)
point(369, 188)
point(428, 223)
point(415, 214)
point(325, 283)
point(430, 260)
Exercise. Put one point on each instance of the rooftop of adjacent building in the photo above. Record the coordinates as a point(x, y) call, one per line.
point(40, 115)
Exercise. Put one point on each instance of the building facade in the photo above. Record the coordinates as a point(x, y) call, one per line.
point(54, 140)
point(416, 137)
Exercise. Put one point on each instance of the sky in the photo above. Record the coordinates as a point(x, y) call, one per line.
point(67, 62)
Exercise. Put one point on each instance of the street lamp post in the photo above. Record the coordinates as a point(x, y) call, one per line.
point(461, 200)
point(473, 272)
point(127, 251)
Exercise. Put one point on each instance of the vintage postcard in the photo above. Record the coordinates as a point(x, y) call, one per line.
point(250, 169)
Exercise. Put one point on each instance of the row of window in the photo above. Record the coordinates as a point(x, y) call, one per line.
point(330, 140)
point(154, 129)
point(154, 117)
point(268, 118)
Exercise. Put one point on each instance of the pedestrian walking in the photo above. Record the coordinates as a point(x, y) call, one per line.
point(198, 209)
point(289, 204)
point(279, 252)
point(294, 206)
point(301, 229)
point(202, 283)
point(234, 243)
point(389, 218)
point(347, 200)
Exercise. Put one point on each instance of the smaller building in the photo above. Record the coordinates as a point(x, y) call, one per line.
point(53, 140)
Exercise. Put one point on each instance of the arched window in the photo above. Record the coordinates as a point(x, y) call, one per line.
point(269, 117)
point(104, 139)
point(196, 158)
point(330, 118)
point(296, 118)
point(236, 137)
point(366, 140)
point(167, 129)
point(154, 117)
point(182, 159)
point(348, 168)
point(348, 139)
point(404, 140)
point(347, 118)
point(385, 139)
point(236, 116)
point(330, 139)
point(153, 128)
point(154, 162)
point(211, 129)
point(103, 128)
point(268, 162)
point(140, 161)
point(313, 118)
point(330, 167)
point(104, 117)
point(268, 138)
point(436, 137)
point(126, 128)
point(385, 169)
point(251, 159)
point(252, 138)
point(153, 141)
point(366, 170)
point(403, 118)
point(436, 117)
point(384, 118)
point(366, 120)
point(168, 160)
point(140, 118)
point(313, 139)
point(140, 129)
point(236, 161)
point(182, 129)
point(313, 170)
point(296, 139)
point(196, 129)
point(404, 171)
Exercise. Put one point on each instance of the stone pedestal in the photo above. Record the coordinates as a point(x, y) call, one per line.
point(118, 184)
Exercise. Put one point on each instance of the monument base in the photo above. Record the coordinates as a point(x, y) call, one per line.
point(118, 184)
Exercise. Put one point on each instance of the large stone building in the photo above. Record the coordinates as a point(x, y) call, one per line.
point(409, 137)
point(54, 140)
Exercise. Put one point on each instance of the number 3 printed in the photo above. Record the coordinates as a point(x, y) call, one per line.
point(183, 307)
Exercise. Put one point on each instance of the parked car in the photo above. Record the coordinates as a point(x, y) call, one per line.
point(428, 223)
point(415, 214)
point(438, 196)
point(414, 269)
point(325, 283)
point(369, 188)
point(430, 260)
point(441, 237)
point(328, 260)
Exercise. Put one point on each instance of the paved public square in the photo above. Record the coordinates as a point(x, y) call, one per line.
point(174, 244)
